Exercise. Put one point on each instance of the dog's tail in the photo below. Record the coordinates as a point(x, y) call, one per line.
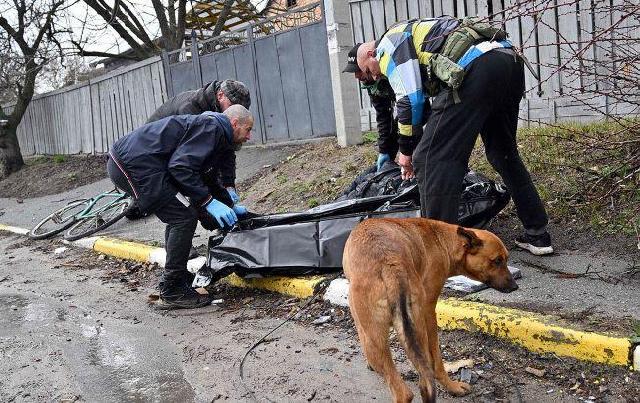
point(397, 295)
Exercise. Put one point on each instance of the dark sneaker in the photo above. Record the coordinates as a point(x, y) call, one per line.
point(537, 244)
point(181, 297)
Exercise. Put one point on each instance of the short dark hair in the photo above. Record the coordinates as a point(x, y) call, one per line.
point(237, 92)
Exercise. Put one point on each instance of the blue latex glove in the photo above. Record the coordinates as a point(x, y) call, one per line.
point(382, 158)
point(239, 209)
point(222, 213)
point(234, 196)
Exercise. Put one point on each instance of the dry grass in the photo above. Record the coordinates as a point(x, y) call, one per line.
point(588, 175)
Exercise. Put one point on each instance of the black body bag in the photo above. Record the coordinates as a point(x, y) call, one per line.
point(312, 241)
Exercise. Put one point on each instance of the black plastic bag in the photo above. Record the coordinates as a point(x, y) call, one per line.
point(312, 241)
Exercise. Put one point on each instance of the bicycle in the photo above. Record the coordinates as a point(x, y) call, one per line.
point(81, 218)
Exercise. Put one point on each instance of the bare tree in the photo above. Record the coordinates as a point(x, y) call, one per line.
point(594, 48)
point(29, 37)
point(587, 53)
point(127, 22)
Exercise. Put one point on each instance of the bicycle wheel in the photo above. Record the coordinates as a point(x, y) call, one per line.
point(58, 221)
point(98, 221)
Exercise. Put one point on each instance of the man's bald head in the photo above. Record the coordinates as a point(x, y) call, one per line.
point(241, 122)
point(239, 112)
point(367, 61)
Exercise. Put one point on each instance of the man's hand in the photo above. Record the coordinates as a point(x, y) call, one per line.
point(234, 196)
point(406, 168)
point(240, 210)
point(382, 158)
point(222, 213)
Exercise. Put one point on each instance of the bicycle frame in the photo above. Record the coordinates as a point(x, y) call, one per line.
point(90, 212)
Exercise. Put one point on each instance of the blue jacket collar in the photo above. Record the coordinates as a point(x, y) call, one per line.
point(225, 123)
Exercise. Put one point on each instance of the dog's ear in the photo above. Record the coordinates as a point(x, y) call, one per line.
point(471, 242)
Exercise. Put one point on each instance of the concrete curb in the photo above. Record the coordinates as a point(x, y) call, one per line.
point(534, 332)
point(538, 333)
point(15, 230)
point(300, 287)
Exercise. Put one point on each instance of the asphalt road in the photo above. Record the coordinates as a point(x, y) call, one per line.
point(68, 334)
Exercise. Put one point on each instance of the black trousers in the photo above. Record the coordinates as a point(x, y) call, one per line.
point(490, 95)
point(178, 235)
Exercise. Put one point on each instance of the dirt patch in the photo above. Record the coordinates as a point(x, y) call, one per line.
point(314, 174)
point(575, 236)
point(499, 371)
point(42, 176)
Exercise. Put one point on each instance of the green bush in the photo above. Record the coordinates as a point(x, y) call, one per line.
point(369, 137)
point(59, 159)
point(584, 172)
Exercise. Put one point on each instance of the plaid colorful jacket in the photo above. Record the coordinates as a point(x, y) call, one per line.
point(403, 49)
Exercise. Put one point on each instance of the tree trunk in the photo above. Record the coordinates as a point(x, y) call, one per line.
point(222, 18)
point(10, 155)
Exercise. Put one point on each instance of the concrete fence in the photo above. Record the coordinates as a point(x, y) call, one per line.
point(90, 116)
point(299, 92)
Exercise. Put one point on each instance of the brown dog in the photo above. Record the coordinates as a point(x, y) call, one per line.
point(396, 269)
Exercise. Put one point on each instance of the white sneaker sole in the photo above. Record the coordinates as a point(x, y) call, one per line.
point(536, 250)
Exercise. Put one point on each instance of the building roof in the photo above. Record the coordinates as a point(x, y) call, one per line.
point(204, 14)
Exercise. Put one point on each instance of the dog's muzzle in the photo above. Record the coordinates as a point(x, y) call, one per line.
point(510, 286)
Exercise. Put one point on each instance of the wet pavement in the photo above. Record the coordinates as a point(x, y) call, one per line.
point(67, 334)
point(70, 332)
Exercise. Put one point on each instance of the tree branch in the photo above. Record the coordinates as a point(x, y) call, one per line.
point(222, 18)
point(162, 21)
point(140, 30)
point(105, 12)
point(47, 25)
point(182, 24)
point(129, 20)
point(84, 53)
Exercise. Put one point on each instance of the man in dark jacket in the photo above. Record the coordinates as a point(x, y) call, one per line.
point(476, 81)
point(383, 100)
point(215, 96)
point(160, 165)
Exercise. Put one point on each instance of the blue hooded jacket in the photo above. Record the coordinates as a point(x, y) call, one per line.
point(169, 155)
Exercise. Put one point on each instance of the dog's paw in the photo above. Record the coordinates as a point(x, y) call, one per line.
point(458, 388)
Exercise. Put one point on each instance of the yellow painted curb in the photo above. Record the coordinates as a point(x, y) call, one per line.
point(533, 332)
point(15, 230)
point(529, 330)
point(123, 249)
point(300, 287)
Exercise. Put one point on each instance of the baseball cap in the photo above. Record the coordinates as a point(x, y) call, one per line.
point(352, 63)
point(237, 92)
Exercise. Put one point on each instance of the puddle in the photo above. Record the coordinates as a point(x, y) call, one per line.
point(12, 308)
point(132, 367)
point(39, 313)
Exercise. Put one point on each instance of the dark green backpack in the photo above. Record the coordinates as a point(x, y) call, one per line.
point(471, 30)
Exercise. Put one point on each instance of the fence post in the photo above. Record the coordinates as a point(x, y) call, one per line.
point(258, 101)
point(195, 59)
point(344, 86)
point(167, 73)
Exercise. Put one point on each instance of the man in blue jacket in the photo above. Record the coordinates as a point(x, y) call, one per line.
point(161, 164)
point(215, 96)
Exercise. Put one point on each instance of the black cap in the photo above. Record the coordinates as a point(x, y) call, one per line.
point(352, 63)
